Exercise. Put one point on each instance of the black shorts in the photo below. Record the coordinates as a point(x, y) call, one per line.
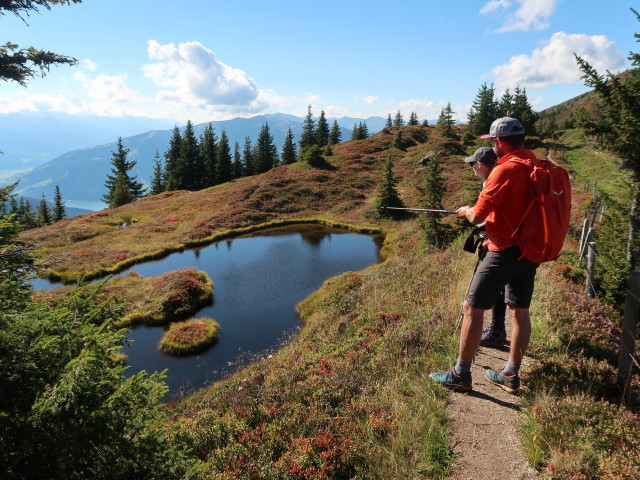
point(503, 270)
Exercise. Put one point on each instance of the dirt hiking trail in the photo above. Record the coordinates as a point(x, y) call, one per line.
point(485, 424)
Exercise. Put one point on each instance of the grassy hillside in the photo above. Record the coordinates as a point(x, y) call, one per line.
point(350, 397)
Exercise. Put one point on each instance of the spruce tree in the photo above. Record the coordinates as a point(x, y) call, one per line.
point(223, 155)
point(266, 151)
point(13, 205)
point(237, 170)
point(335, 136)
point(434, 231)
point(484, 110)
point(121, 193)
point(158, 183)
point(387, 194)
point(308, 136)
point(191, 168)
point(25, 214)
point(121, 167)
point(413, 119)
point(43, 216)
point(389, 123)
point(398, 121)
point(247, 157)
point(59, 211)
point(446, 122)
point(355, 132)
point(208, 155)
point(523, 111)
point(322, 130)
point(505, 106)
point(288, 149)
point(172, 158)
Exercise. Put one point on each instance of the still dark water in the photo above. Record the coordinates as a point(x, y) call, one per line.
point(257, 282)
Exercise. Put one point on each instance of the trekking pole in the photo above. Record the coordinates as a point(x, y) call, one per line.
point(461, 314)
point(431, 210)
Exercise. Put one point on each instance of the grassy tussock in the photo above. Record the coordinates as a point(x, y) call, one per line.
point(192, 336)
point(150, 301)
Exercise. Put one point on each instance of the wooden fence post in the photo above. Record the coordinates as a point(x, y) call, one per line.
point(583, 234)
point(586, 242)
point(591, 267)
point(629, 327)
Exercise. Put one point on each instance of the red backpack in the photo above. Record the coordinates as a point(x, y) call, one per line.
point(541, 232)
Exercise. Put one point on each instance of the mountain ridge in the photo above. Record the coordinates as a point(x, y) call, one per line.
point(80, 173)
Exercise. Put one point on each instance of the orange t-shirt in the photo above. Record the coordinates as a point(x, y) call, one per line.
point(504, 199)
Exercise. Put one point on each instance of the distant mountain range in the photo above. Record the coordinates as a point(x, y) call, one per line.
point(81, 173)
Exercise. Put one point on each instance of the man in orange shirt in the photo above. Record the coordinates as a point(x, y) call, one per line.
point(502, 204)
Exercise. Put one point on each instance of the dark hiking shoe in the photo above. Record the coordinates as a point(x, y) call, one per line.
point(508, 383)
point(452, 380)
point(492, 337)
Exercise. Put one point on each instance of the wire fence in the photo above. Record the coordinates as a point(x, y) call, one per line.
point(628, 329)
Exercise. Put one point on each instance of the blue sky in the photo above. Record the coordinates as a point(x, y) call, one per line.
point(214, 60)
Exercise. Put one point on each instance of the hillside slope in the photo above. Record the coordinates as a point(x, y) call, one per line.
point(350, 396)
point(343, 191)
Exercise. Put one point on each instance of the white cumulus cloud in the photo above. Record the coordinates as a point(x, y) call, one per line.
point(194, 76)
point(371, 99)
point(554, 63)
point(528, 15)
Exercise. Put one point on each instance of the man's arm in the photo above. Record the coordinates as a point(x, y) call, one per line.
point(469, 214)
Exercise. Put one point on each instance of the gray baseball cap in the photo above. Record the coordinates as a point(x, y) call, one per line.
point(484, 155)
point(505, 127)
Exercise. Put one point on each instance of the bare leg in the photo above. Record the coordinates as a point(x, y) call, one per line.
point(471, 332)
point(520, 333)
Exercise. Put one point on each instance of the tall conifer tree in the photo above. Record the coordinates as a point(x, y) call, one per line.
point(433, 192)
point(505, 106)
point(523, 110)
point(191, 170)
point(59, 211)
point(121, 168)
point(43, 216)
point(308, 136)
point(413, 119)
point(158, 183)
point(289, 153)
point(247, 157)
point(266, 151)
point(387, 194)
point(238, 170)
point(399, 120)
point(322, 131)
point(172, 158)
point(446, 122)
point(335, 135)
point(208, 155)
point(223, 154)
point(484, 111)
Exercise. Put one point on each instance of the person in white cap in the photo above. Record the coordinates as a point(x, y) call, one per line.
point(502, 204)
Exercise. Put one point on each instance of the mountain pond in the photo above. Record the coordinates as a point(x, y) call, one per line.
point(257, 281)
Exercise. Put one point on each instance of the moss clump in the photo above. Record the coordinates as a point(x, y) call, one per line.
point(189, 337)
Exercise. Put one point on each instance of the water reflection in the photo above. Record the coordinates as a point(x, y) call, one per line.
point(257, 282)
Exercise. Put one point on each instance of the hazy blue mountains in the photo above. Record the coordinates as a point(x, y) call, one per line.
point(81, 173)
